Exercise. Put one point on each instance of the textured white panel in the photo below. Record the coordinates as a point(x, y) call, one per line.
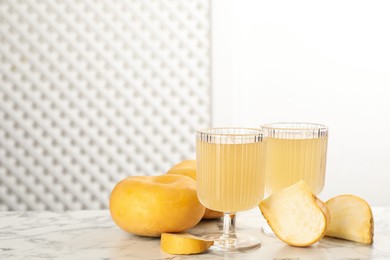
point(93, 91)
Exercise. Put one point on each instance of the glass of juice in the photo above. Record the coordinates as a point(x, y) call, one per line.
point(294, 152)
point(230, 178)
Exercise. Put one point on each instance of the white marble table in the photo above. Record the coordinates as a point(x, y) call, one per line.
point(93, 235)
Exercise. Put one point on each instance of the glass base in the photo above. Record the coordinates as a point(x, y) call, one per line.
point(240, 242)
point(267, 230)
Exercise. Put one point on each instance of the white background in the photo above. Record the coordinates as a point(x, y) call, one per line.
point(318, 61)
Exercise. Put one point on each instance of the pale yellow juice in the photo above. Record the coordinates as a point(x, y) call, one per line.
point(291, 160)
point(230, 177)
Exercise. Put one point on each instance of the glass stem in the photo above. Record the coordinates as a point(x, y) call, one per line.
point(229, 226)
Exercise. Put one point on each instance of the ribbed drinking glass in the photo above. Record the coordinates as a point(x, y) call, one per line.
point(294, 152)
point(230, 178)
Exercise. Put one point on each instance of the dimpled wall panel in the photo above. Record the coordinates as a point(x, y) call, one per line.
point(94, 91)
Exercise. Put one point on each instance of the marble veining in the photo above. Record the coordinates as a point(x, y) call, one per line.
point(93, 235)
